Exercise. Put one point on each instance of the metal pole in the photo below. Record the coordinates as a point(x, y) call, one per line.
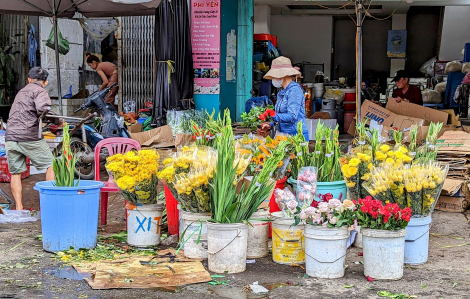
point(57, 63)
point(359, 16)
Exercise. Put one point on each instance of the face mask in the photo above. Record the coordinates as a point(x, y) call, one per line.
point(277, 82)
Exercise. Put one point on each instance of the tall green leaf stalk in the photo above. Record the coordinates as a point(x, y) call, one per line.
point(325, 159)
point(413, 135)
point(428, 152)
point(302, 156)
point(374, 141)
point(227, 206)
point(64, 165)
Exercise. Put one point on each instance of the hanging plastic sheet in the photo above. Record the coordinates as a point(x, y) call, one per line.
point(98, 30)
point(174, 77)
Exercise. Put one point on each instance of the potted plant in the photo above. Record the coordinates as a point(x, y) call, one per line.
point(383, 228)
point(326, 236)
point(227, 231)
point(69, 208)
point(135, 174)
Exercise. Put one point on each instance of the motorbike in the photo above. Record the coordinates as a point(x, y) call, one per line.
point(85, 136)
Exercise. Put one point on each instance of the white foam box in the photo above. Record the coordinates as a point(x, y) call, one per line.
point(312, 126)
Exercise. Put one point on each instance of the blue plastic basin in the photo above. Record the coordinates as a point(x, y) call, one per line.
point(69, 215)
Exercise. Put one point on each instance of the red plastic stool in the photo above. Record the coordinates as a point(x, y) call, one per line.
point(273, 207)
point(171, 211)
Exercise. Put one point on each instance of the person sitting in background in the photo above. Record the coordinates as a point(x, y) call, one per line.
point(368, 93)
point(406, 92)
point(21, 136)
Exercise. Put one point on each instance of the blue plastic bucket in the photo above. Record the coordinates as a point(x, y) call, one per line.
point(338, 189)
point(69, 215)
point(417, 240)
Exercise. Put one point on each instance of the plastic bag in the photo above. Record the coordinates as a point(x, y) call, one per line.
point(441, 87)
point(431, 96)
point(263, 101)
point(98, 30)
point(306, 188)
point(64, 46)
point(466, 79)
point(335, 94)
point(2, 143)
point(428, 67)
point(129, 107)
point(286, 201)
point(16, 216)
point(453, 67)
point(466, 67)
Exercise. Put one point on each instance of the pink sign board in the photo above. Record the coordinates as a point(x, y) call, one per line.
point(205, 40)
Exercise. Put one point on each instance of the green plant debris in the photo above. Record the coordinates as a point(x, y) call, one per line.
point(452, 246)
point(16, 246)
point(348, 286)
point(219, 282)
point(455, 284)
point(103, 251)
point(395, 296)
point(128, 280)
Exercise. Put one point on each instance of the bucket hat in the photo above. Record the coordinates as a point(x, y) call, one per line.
point(281, 67)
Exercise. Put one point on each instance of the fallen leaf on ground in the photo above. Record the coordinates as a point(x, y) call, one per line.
point(348, 287)
point(370, 279)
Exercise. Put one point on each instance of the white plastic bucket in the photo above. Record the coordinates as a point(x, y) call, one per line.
point(144, 225)
point(194, 228)
point(325, 251)
point(258, 235)
point(358, 241)
point(288, 242)
point(384, 253)
point(417, 241)
point(226, 247)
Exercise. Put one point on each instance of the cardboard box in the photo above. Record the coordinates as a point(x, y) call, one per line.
point(375, 112)
point(454, 187)
point(452, 204)
point(418, 111)
point(452, 119)
point(402, 122)
point(403, 116)
point(320, 115)
point(455, 196)
point(157, 138)
point(313, 123)
point(137, 128)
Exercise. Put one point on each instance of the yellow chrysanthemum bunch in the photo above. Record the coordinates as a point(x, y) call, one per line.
point(135, 174)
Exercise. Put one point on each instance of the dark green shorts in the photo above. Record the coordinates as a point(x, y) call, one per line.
point(37, 151)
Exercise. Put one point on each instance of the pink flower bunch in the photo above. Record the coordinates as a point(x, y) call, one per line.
point(329, 213)
point(307, 176)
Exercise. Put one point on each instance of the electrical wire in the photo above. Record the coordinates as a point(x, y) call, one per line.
point(344, 6)
point(365, 15)
point(380, 19)
point(326, 7)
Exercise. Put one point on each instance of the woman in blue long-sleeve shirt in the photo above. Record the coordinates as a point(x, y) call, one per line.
point(290, 105)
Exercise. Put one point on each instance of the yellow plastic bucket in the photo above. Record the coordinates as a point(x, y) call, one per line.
point(288, 243)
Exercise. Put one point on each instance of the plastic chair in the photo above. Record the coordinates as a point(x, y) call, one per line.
point(115, 145)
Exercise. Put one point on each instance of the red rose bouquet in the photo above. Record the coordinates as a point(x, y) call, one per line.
point(373, 214)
